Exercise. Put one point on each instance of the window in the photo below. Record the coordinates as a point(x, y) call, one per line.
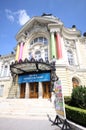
point(46, 54)
point(35, 40)
point(30, 56)
point(1, 90)
point(70, 57)
point(1, 71)
point(37, 55)
point(40, 40)
point(31, 43)
point(45, 41)
point(5, 70)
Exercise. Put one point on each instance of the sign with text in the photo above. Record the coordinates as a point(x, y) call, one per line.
point(59, 99)
point(34, 78)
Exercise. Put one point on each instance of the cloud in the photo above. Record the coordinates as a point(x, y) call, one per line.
point(10, 15)
point(21, 16)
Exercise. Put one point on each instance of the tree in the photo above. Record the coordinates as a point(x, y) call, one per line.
point(78, 97)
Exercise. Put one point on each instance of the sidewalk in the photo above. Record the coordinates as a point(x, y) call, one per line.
point(26, 123)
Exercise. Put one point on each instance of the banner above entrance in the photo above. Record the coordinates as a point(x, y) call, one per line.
point(34, 78)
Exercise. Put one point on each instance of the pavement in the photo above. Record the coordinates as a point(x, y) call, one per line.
point(16, 114)
point(15, 122)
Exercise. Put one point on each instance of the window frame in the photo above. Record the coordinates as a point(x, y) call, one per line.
point(70, 57)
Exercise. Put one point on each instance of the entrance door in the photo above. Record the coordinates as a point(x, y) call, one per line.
point(22, 90)
point(33, 90)
point(46, 90)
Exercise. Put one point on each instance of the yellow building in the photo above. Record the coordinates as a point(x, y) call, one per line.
point(43, 42)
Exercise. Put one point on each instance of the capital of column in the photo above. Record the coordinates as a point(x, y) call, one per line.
point(21, 37)
point(21, 42)
point(55, 32)
point(55, 27)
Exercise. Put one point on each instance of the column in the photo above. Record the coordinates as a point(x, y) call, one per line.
point(21, 50)
point(18, 91)
point(53, 46)
point(40, 90)
point(17, 53)
point(58, 46)
point(27, 90)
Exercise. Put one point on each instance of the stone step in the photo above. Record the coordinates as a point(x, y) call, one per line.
point(29, 107)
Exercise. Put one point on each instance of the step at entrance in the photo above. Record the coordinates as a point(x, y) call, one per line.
point(27, 107)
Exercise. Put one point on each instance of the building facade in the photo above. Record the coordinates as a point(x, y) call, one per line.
point(5, 74)
point(45, 48)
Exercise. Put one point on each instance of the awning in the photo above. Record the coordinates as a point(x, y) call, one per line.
point(24, 67)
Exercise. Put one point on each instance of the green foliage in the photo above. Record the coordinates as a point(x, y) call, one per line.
point(67, 100)
point(76, 115)
point(78, 97)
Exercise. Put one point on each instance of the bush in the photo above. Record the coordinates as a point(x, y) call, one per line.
point(78, 97)
point(76, 115)
point(67, 100)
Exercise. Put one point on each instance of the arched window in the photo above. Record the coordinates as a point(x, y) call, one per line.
point(37, 55)
point(39, 40)
point(70, 57)
point(75, 82)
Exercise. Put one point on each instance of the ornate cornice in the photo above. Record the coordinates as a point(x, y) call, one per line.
point(41, 21)
point(82, 39)
point(7, 57)
point(70, 33)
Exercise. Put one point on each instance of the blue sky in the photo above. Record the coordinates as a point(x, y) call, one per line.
point(14, 14)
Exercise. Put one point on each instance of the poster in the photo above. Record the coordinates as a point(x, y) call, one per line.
point(59, 99)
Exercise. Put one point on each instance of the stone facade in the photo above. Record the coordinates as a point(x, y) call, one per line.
point(5, 74)
point(46, 37)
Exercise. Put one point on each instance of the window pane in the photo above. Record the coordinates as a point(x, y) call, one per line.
point(46, 54)
point(45, 41)
point(41, 39)
point(31, 43)
point(35, 40)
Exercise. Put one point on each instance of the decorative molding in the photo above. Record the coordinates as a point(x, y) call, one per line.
point(82, 40)
point(69, 44)
point(35, 28)
point(55, 27)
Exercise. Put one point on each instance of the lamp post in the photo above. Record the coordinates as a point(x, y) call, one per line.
point(54, 77)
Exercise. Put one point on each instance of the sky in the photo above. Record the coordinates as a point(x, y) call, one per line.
point(15, 13)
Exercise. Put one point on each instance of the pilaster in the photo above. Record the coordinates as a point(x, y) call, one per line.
point(27, 90)
point(40, 90)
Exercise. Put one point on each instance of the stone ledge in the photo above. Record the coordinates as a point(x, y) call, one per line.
point(75, 126)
